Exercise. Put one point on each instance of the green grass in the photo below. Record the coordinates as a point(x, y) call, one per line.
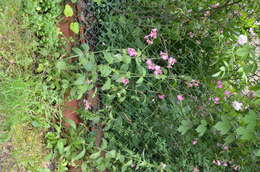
point(20, 106)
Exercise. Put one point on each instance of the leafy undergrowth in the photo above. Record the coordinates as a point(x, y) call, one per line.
point(24, 109)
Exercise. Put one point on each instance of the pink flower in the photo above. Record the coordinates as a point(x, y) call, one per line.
point(191, 34)
point(149, 41)
point(227, 93)
point(189, 85)
point(158, 70)
point(195, 83)
point(87, 105)
point(131, 52)
point(161, 96)
point(150, 64)
point(151, 67)
point(217, 162)
point(171, 61)
point(194, 142)
point(163, 55)
point(125, 81)
point(153, 33)
point(216, 100)
point(225, 148)
point(219, 84)
point(180, 97)
point(196, 169)
point(225, 164)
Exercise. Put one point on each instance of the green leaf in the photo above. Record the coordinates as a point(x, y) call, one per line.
point(68, 11)
point(258, 93)
point(80, 80)
point(126, 165)
point(77, 51)
point(80, 155)
point(126, 59)
point(61, 65)
point(107, 85)
point(44, 170)
point(60, 146)
point(185, 126)
point(201, 129)
point(223, 126)
point(111, 154)
point(97, 1)
point(108, 57)
point(245, 133)
point(258, 152)
point(73, 1)
point(74, 27)
point(104, 144)
point(71, 123)
point(216, 74)
point(141, 70)
point(105, 70)
point(95, 155)
point(243, 51)
point(250, 118)
point(140, 80)
point(229, 139)
point(84, 166)
point(83, 61)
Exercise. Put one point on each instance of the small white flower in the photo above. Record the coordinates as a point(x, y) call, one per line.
point(242, 39)
point(237, 105)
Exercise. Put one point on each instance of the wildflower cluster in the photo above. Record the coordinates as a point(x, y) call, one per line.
point(153, 35)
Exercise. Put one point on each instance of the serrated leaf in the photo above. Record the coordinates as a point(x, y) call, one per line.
point(185, 126)
point(61, 65)
point(80, 80)
point(111, 154)
point(245, 133)
point(78, 51)
point(201, 129)
point(80, 155)
point(105, 70)
point(95, 155)
point(68, 11)
point(223, 127)
point(229, 139)
point(129, 163)
point(74, 26)
point(107, 85)
point(109, 58)
point(250, 118)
